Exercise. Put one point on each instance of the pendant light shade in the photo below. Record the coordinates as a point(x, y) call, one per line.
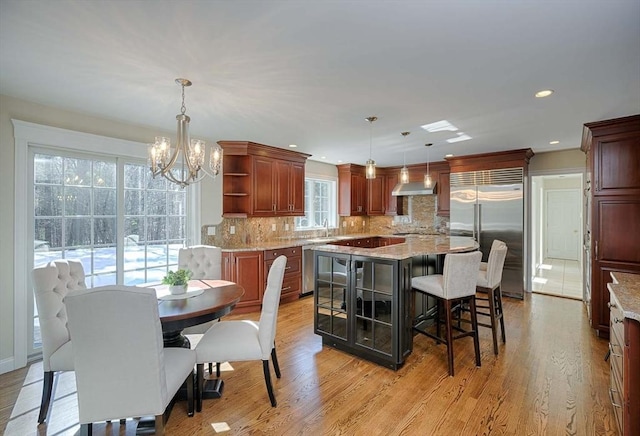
point(428, 183)
point(371, 164)
point(404, 172)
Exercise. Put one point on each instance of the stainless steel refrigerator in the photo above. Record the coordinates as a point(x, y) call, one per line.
point(488, 205)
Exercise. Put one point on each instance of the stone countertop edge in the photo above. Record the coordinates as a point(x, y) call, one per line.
point(626, 290)
point(295, 242)
point(413, 246)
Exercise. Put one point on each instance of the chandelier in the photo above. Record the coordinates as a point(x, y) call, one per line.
point(183, 164)
point(404, 172)
point(371, 164)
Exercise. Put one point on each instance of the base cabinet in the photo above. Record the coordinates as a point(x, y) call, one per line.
point(624, 357)
point(363, 306)
point(292, 281)
point(245, 268)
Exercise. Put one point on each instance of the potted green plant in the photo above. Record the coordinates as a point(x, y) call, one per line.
point(177, 281)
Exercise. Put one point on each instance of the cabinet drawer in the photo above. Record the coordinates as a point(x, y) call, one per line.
point(291, 285)
point(616, 322)
point(293, 267)
point(616, 398)
point(287, 251)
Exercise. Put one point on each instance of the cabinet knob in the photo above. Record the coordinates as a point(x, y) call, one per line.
point(618, 320)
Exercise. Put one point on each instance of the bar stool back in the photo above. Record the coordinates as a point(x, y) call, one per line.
point(456, 285)
point(489, 280)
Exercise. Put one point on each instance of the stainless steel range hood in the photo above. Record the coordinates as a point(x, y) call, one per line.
point(412, 188)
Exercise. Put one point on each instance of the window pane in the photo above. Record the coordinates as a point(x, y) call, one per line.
point(105, 201)
point(77, 232)
point(47, 169)
point(47, 200)
point(48, 231)
point(77, 201)
point(104, 174)
point(77, 172)
point(156, 202)
point(134, 176)
point(104, 230)
point(133, 202)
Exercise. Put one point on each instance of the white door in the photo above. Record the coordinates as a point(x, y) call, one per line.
point(563, 219)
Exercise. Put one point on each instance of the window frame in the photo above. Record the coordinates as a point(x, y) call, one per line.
point(28, 136)
point(333, 201)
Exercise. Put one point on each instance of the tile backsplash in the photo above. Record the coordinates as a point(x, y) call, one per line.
point(421, 218)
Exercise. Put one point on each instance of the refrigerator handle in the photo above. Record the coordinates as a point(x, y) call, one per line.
point(475, 219)
point(479, 220)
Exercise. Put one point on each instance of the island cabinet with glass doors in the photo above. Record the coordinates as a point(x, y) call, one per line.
point(363, 306)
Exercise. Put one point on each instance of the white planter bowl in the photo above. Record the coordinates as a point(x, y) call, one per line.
point(177, 289)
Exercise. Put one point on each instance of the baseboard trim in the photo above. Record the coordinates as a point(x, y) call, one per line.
point(7, 365)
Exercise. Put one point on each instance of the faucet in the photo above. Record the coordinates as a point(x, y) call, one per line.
point(325, 224)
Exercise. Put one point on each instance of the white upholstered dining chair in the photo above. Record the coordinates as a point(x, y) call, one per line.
point(51, 283)
point(122, 368)
point(246, 340)
point(204, 262)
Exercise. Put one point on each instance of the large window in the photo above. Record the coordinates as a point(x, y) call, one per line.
point(319, 204)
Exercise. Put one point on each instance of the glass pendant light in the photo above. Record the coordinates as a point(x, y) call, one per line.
point(404, 172)
point(428, 183)
point(371, 164)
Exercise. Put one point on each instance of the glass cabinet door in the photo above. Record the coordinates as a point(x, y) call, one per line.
point(332, 281)
point(375, 305)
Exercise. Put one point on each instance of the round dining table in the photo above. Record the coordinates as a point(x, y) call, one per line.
point(204, 301)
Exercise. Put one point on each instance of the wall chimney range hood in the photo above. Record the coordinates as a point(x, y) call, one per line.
point(412, 188)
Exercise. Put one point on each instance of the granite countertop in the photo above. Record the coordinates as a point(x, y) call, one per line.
point(297, 242)
point(413, 246)
point(626, 290)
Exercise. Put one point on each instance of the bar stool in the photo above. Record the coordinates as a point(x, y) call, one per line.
point(456, 284)
point(489, 280)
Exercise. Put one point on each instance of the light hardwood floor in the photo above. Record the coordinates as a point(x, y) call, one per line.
point(549, 379)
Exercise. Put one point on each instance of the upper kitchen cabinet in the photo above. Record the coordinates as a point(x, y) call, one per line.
point(376, 195)
point(614, 150)
point(393, 204)
point(260, 180)
point(613, 156)
point(352, 190)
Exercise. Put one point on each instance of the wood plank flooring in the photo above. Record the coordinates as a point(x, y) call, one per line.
point(549, 379)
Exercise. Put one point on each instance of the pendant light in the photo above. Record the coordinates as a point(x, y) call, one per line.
point(428, 183)
point(404, 172)
point(371, 164)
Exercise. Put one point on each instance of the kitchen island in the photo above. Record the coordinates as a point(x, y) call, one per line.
point(363, 299)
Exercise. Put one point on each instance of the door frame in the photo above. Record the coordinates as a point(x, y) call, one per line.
point(534, 215)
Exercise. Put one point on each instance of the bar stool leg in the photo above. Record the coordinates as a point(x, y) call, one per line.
point(498, 294)
point(449, 332)
point(492, 316)
point(474, 326)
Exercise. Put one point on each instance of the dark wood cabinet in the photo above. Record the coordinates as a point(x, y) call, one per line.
point(443, 192)
point(613, 153)
point(376, 195)
point(260, 180)
point(392, 205)
point(245, 268)
point(352, 190)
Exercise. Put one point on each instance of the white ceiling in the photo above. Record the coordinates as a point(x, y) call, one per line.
point(309, 72)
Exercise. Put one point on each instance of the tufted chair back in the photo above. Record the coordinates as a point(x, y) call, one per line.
point(51, 283)
point(204, 261)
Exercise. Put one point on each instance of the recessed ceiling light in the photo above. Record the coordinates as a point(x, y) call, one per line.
point(323, 157)
point(293, 145)
point(339, 161)
point(544, 93)
point(461, 137)
point(439, 126)
point(554, 142)
point(448, 155)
